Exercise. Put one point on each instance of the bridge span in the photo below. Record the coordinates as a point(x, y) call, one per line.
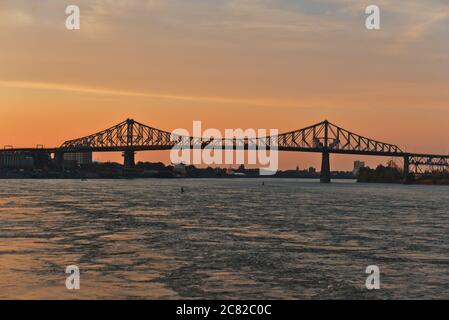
point(326, 138)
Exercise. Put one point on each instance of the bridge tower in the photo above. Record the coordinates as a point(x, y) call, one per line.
point(406, 171)
point(325, 176)
point(129, 155)
point(129, 159)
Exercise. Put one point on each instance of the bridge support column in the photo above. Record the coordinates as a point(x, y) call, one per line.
point(406, 172)
point(129, 159)
point(325, 176)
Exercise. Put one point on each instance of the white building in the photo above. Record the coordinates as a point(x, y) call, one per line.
point(357, 166)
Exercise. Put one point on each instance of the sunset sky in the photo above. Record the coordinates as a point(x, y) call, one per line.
point(282, 64)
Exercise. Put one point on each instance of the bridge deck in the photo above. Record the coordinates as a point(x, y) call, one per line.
point(169, 147)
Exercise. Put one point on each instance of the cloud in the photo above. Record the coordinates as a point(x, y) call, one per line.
point(111, 92)
point(247, 48)
point(410, 19)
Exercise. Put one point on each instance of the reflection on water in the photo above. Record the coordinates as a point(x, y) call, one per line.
point(222, 239)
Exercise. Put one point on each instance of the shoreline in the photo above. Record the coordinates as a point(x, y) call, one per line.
point(425, 182)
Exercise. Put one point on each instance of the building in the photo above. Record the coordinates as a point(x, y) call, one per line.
point(80, 158)
point(312, 170)
point(15, 160)
point(357, 166)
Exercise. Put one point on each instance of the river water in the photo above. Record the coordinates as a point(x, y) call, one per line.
point(222, 239)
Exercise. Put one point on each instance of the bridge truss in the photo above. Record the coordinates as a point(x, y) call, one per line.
point(422, 163)
point(324, 136)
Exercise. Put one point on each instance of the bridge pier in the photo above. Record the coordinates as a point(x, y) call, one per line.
point(325, 176)
point(129, 159)
point(406, 171)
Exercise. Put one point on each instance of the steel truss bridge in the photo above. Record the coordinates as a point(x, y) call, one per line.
point(131, 136)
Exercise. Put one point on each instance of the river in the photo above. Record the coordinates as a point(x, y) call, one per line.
point(222, 239)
